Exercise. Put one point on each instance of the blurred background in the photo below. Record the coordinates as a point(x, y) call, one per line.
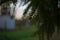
point(29, 19)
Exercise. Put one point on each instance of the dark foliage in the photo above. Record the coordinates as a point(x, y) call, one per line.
point(3, 1)
point(47, 13)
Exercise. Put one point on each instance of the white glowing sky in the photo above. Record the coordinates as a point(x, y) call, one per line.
point(19, 9)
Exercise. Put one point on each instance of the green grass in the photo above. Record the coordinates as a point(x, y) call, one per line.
point(18, 34)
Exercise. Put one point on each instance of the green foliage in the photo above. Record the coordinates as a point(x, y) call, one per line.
point(18, 34)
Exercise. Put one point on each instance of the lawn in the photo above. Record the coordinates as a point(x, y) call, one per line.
point(19, 34)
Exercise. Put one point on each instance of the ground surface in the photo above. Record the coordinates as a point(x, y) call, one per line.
point(26, 34)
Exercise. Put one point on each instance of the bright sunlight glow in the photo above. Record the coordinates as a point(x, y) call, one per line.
point(19, 9)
